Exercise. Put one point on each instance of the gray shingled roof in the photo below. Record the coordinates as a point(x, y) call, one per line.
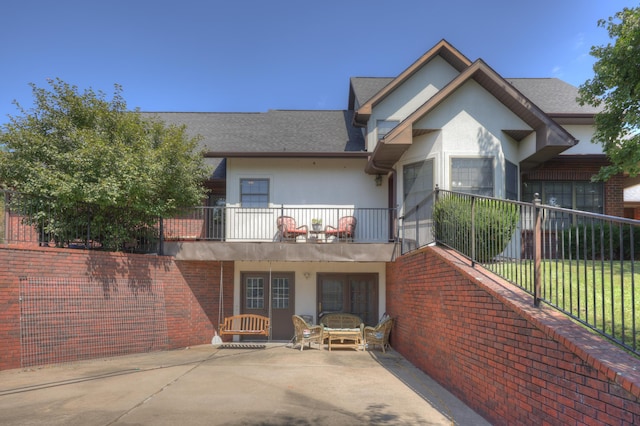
point(552, 95)
point(275, 131)
point(365, 88)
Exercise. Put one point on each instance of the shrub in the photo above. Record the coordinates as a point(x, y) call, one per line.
point(601, 241)
point(495, 223)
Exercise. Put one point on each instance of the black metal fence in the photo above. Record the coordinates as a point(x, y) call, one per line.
point(28, 220)
point(583, 264)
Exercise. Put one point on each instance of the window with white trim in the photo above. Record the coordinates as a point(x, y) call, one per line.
point(254, 292)
point(254, 192)
point(280, 293)
point(472, 175)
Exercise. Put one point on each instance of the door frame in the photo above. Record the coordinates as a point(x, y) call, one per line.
point(281, 323)
point(373, 304)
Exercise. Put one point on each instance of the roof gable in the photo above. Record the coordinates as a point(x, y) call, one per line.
point(551, 138)
point(443, 49)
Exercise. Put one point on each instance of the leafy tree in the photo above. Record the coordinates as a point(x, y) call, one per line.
point(86, 161)
point(616, 86)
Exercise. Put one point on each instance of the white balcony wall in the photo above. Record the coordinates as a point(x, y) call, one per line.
point(308, 181)
point(305, 189)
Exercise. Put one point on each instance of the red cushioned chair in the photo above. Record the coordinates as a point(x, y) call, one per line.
point(346, 229)
point(288, 230)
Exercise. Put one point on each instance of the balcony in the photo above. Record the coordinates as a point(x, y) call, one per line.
point(253, 234)
point(207, 233)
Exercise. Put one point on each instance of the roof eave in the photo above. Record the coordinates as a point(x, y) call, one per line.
point(236, 154)
point(573, 118)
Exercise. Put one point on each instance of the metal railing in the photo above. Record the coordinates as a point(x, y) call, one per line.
point(373, 225)
point(29, 220)
point(26, 220)
point(583, 264)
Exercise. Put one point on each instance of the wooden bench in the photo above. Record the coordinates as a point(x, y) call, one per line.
point(245, 324)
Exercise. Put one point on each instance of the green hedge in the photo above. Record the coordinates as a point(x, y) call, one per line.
point(495, 223)
point(601, 241)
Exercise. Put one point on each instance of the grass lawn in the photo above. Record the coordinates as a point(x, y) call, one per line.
point(603, 294)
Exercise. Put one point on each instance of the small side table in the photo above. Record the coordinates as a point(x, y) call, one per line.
point(316, 236)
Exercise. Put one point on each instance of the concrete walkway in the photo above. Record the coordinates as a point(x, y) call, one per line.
point(269, 384)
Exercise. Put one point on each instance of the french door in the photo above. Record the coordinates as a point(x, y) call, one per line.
point(350, 293)
point(258, 293)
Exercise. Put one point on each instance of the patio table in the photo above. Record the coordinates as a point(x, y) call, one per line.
point(347, 337)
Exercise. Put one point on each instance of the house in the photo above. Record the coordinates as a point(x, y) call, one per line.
point(444, 120)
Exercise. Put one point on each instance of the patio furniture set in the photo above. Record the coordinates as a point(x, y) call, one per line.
point(342, 330)
point(288, 230)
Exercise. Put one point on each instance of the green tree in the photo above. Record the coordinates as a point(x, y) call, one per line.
point(616, 86)
point(85, 160)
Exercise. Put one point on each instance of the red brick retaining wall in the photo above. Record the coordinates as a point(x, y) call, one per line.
point(513, 363)
point(190, 291)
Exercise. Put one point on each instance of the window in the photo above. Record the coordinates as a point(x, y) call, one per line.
point(385, 126)
point(280, 293)
point(472, 175)
point(578, 195)
point(254, 192)
point(254, 292)
point(417, 183)
point(511, 181)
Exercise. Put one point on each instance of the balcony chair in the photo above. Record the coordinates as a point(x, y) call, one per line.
point(306, 333)
point(378, 335)
point(345, 231)
point(288, 230)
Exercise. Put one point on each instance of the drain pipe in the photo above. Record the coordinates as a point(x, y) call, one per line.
point(386, 170)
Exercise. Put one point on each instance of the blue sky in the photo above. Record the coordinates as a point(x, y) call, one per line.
point(256, 55)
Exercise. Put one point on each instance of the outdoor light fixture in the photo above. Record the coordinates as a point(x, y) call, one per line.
point(378, 179)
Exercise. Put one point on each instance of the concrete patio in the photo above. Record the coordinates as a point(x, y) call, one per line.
point(242, 384)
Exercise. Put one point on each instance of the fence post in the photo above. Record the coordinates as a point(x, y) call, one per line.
point(473, 231)
point(280, 227)
point(417, 225)
point(161, 237)
point(537, 250)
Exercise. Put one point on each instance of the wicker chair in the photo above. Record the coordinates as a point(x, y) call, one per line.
point(306, 333)
point(378, 335)
point(288, 229)
point(345, 231)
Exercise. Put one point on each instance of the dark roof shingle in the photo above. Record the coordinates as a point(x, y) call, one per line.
point(276, 131)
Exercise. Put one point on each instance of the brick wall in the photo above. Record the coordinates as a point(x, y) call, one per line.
point(513, 363)
point(582, 168)
point(191, 291)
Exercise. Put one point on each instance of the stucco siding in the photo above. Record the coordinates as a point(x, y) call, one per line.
point(325, 182)
point(419, 88)
point(305, 290)
point(584, 134)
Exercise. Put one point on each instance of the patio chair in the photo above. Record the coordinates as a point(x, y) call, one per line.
point(378, 335)
point(306, 333)
point(345, 231)
point(288, 230)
